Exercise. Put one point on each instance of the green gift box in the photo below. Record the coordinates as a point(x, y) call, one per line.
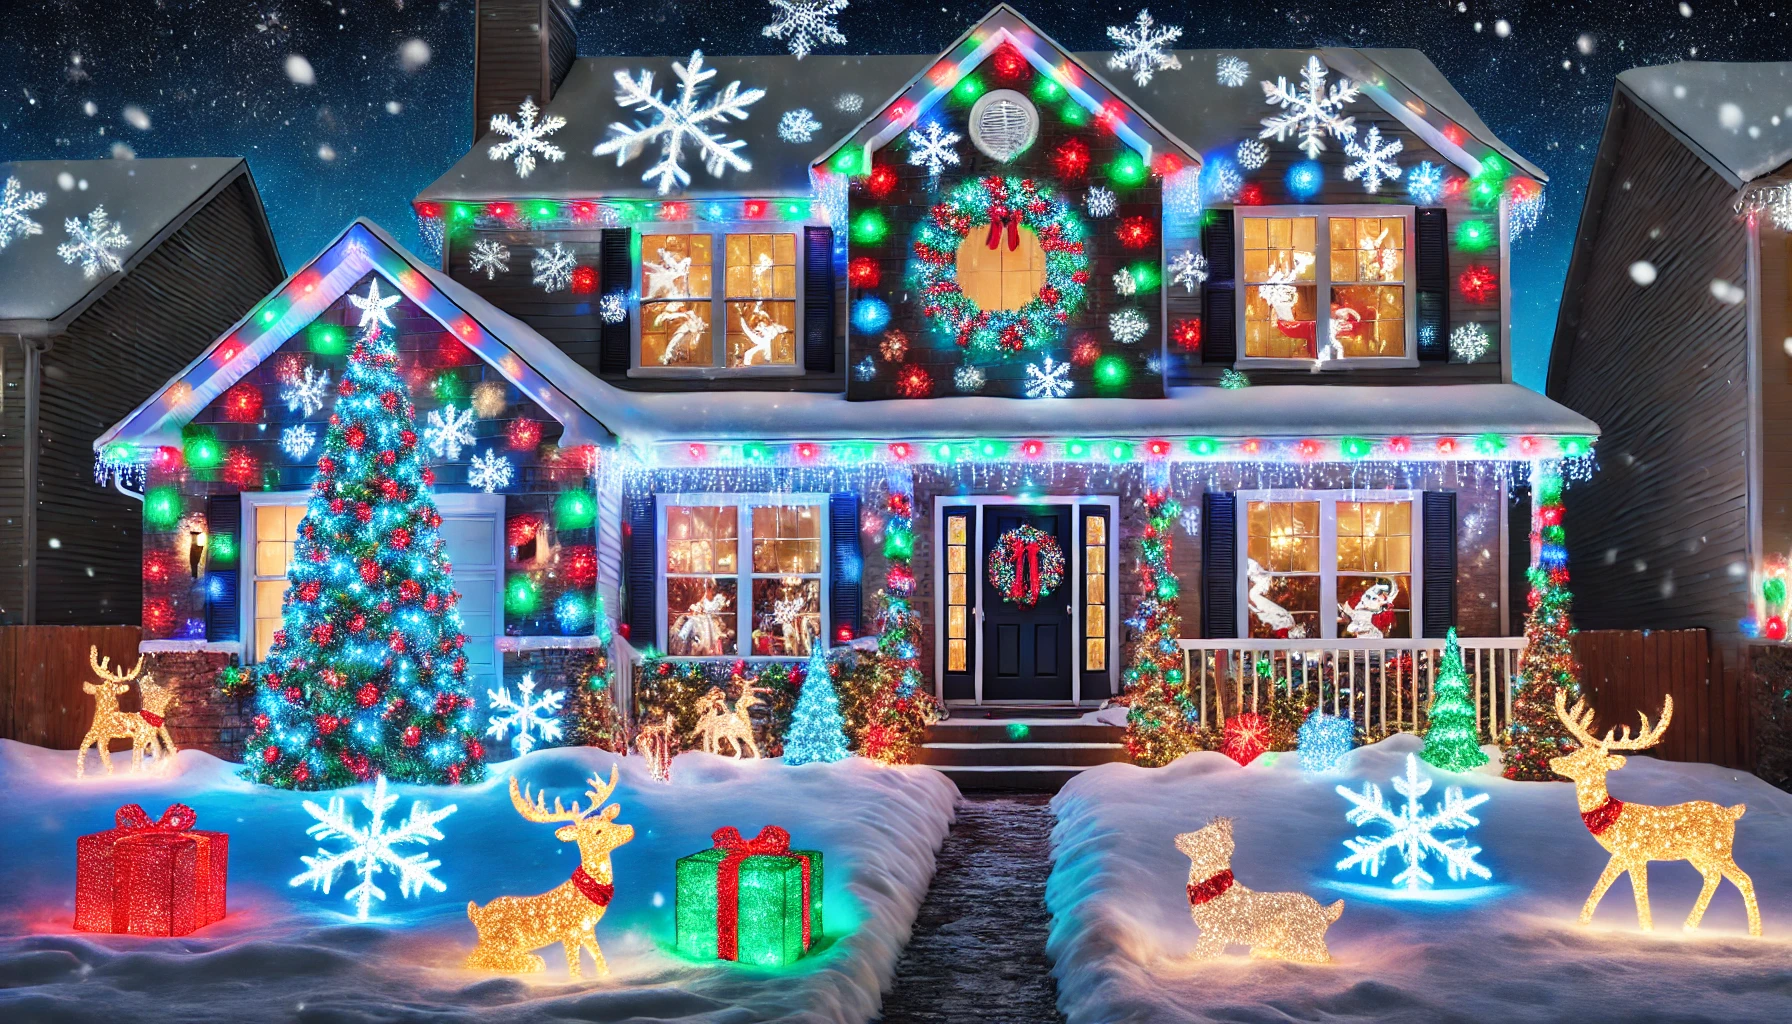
point(755, 901)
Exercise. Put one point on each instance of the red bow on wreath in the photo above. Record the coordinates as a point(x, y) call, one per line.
point(1024, 551)
point(999, 218)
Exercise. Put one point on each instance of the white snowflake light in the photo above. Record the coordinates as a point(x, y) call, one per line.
point(305, 393)
point(1252, 154)
point(489, 472)
point(524, 137)
point(612, 309)
point(372, 307)
point(491, 258)
point(1374, 161)
point(1410, 830)
point(449, 431)
point(1425, 184)
point(798, 125)
point(1220, 181)
point(15, 202)
point(968, 378)
point(531, 715)
point(553, 268)
point(677, 122)
point(865, 369)
point(1144, 51)
point(296, 441)
point(931, 147)
point(805, 23)
point(849, 103)
point(1231, 71)
point(1128, 325)
point(1312, 112)
point(1048, 380)
point(1123, 282)
point(369, 850)
point(1188, 269)
point(91, 244)
point(1100, 202)
point(1469, 342)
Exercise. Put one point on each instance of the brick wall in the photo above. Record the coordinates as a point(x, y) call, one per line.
point(204, 719)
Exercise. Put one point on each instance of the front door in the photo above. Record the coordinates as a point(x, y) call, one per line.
point(1026, 648)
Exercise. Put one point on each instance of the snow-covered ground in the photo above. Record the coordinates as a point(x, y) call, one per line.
point(289, 953)
point(1122, 934)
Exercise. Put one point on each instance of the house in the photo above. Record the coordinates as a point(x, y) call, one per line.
point(933, 326)
point(179, 248)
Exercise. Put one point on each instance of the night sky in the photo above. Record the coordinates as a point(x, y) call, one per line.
point(383, 115)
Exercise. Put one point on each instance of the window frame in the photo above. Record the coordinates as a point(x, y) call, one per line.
point(1323, 213)
point(718, 231)
point(744, 502)
point(1328, 556)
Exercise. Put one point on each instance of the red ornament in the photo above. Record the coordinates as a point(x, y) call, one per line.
point(355, 437)
point(309, 590)
point(301, 773)
point(240, 468)
point(1776, 628)
point(357, 622)
point(914, 382)
point(410, 590)
point(367, 696)
point(413, 736)
point(1245, 737)
point(881, 182)
point(242, 404)
point(863, 272)
point(399, 538)
point(322, 633)
point(1136, 232)
point(584, 280)
point(523, 434)
point(1477, 283)
point(1071, 160)
point(270, 754)
point(521, 530)
point(158, 615)
point(451, 352)
point(1187, 335)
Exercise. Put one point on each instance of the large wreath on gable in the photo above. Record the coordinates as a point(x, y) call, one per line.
point(1026, 565)
point(1000, 207)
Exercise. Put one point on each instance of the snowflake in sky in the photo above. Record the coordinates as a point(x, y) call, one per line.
point(678, 121)
point(553, 268)
point(525, 137)
point(1374, 159)
point(91, 244)
point(1144, 51)
point(1469, 342)
point(369, 850)
point(1048, 380)
point(865, 369)
point(612, 308)
point(372, 307)
point(1313, 111)
point(1232, 380)
point(798, 125)
point(1425, 184)
point(1123, 282)
point(1100, 202)
point(530, 714)
point(806, 23)
point(968, 378)
point(1411, 830)
point(489, 472)
point(1231, 71)
point(449, 430)
point(15, 202)
point(1128, 325)
point(297, 441)
point(931, 147)
point(304, 394)
point(1252, 154)
point(1188, 269)
point(491, 258)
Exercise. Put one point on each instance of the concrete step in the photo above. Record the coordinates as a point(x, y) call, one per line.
point(1022, 730)
point(1014, 754)
point(1042, 778)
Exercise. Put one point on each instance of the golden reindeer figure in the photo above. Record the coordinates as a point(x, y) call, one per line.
point(146, 729)
point(1700, 832)
point(511, 927)
point(719, 722)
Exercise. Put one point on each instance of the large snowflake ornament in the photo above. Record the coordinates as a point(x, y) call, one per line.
point(368, 850)
point(1144, 51)
point(532, 715)
point(525, 137)
point(15, 202)
point(1374, 159)
point(1128, 325)
point(1048, 380)
point(805, 23)
point(1312, 112)
point(489, 472)
point(304, 394)
point(679, 121)
point(798, 125)
point(1426, 183)
point(553, 268)
point(490, 258)
point(1469, 342)
point(448, 431)
point(1231, 71)
point(91, 244)
point(1411, 830)
point(931, 147)
point(1188, 269)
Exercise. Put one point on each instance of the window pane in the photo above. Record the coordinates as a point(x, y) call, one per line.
point(270, 522)
point(271, 558)
point(700, 538)
point(761, 333)
point(761, 266)
point(1375, 606)
point(676, 266)
point(700, 616)
point(1098, 621)
point(956, 661)
point(955, 529)
point(1095, 658)
point(955, 592)
point(676, 334)
point(1279, 321)
point(786, 616)
point(1095, 529)
point(1095, 559)
point(956, 622)
point(955, 558)
point(787, 539)
point(1284, 607)
point(1370, 320)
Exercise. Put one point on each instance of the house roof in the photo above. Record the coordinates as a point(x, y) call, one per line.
point(1734, 115)
point(149, 200)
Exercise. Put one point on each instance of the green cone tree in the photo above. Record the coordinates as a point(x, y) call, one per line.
point(1451, 737)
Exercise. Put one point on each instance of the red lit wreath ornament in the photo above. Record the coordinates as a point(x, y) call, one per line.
point(1000, 207)
point(1026, 565)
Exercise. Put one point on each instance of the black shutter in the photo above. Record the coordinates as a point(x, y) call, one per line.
point(643, 560)
point(818, 300)
point(1219, 312)
point(1219, 565)
point(846, 565)
point(615, 273)
point(223, 518)
point(1439, 563)
point(1431, 231)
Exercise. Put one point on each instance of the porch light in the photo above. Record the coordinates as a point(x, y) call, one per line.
point(195, 549)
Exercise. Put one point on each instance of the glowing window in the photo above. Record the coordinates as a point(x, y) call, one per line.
point(276, 531)
point(757, 300)
point(1283, 569)
point(957, 593)
point(707, 575)
point(1325, 286)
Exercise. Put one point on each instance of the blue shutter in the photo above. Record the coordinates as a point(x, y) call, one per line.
point(224, 517)
point(1219, 313)
point(615, 274)
point(1219, 565)
point(643, 563)
point(818, 300)
point(1431, 231)
point(1439, 562)
point(846, 563)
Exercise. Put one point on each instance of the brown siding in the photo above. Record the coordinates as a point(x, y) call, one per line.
point(523, 48)
point(1775, 299)
point(12, 481)
point(41, 672)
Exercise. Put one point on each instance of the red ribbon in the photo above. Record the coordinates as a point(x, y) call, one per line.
point(1601, 818)
point(597, 892)
point(177, 818)
point(771, 841)
point(1028, 570)
point(998, 220)
point(155, 721)
point(1213, 888)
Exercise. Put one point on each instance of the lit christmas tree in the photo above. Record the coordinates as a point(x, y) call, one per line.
point(1451, 737)
point(367, 675)
point(1158, 724)
point(1536, 734)
point(817, 731)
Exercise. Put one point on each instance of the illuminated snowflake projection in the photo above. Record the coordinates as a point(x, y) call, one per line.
point(805, 23)
point(449, 431)
point(91, 244)
point(1312, 112)
point(1231, 71)
point(1124, 283)
point(968, 379)
point(305, 394)
point(1220, 181)
point(15, 202)
point(553, 268)
point(1143, 50)
point(679, 121)
point(1411, 830)
point(798, 125)
point(1252, 154)
point(931, 147)
point(1374, 159)
point(1188, 269)
point(612, 309)
point(865, 369)
point(1100, 202)
point(526, 137)
point(1128, 325)
point(849, 103)
point(1048, 380)
point(368, 851)
point(1469, 342)
point(1425, 184)
point(530, 714)
point(489, 472)
point(489, 258)
point(297, 441)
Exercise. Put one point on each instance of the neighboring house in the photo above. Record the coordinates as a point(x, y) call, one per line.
point(185, 249)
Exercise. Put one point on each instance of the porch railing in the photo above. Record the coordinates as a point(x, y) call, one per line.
point(1382, 685)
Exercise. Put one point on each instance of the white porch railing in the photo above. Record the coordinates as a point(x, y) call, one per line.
point(1382, 685)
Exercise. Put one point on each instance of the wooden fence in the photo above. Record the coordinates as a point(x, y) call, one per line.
point(41, 672)
point(1626, 671)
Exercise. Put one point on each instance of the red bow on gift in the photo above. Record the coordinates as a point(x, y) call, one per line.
point(997, 220)
point(771, 841)
point(1024, 553)
point(177, 818)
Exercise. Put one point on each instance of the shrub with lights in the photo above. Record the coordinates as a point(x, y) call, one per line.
point(668, 686)
point(1162, 717)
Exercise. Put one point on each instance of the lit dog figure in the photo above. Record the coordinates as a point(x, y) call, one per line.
point(1275, 925)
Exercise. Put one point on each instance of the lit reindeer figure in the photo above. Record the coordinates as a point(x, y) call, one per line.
point(511, 927)
point(145, 729)
point(1700, 832)
point(718, 722)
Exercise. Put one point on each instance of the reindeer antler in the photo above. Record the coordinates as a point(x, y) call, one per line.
point(102, 667)
point(1578, 721)
point(537, 811)
point(1649, 737)
point(601, 790)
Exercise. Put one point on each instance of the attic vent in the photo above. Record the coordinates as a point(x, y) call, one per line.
point(1003, 124)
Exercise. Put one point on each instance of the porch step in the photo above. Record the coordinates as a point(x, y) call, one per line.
point(1037, 778)
point(1022, 730)
point(1018, 753)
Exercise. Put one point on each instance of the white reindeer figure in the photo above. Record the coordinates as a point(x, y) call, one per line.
point(1370, 604)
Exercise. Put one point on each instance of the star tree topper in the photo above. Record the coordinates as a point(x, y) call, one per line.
point(1410, 830)
point(369, 850)
point(678, 121)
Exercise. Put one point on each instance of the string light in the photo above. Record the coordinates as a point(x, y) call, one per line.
point(1160, 712)
point(1276, 925)
point(1547, 664)
point(1324, 740)
point(755, 901)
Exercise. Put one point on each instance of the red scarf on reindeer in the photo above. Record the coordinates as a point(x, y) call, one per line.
point(1211, 889)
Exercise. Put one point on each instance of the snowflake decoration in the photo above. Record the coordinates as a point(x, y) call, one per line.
point(305, 394)
point(492, 258)
point(798, 125)
point(1374, 159)
point(1188, 269)
point(1123, 282)
point(849, 103)
point(865, 370)
point(932, 148)
point(1144, 51)
point(369, 850)
point(449, 431)
point(1154, 365)
point(679, 121)
point(1526, 212)
point(612, 309)
point(1231, 71)
point(1426, 183)
point(529, 714)
point(1469, 342)
point(1128, 325)
point(91, 244)
point(372, 307)
point(968, 378)
point(1232, 380)
point(806, 23)
point(15, 202)
point(489, 472)
point(1314, 109)
point(525, 137)
point(553, 268)
point(1252, 154)
point(1220, 181)
point(297, 441)
point(1048, 380)
point(1190, 519)
point(1100, 202)
point(1410, 830)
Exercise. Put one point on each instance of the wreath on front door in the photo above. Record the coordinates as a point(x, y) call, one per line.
point(1026, 565)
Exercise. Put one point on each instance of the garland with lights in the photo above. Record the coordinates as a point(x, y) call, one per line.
point(667, 686)
point(591, 718)
point(1025, 565)
point(1160, 721)
point(1536, 733)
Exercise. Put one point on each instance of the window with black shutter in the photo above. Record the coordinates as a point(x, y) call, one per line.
point(224, 543)
point(1439, 562)
point(1219, 314)
point(1219, 565)
point(818, 300)
point(1431, 229)
point(845, 565)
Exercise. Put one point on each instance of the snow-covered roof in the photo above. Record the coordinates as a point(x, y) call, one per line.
point(147, 199)
point(1736, 116)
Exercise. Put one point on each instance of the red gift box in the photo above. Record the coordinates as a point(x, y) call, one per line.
point(150, 877)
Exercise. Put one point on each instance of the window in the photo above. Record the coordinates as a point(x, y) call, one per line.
point(1095, 592)
point(1329, 565)
point(1375, 565)
point(780, 577)
point(757, 298)
point(997, 277)
point(276, 531)
point(958, 611)
point(1360, 274)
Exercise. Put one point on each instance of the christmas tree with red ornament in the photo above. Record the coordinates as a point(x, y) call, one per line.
point(1160, 715)
point(367, 675)
point(1548, 664)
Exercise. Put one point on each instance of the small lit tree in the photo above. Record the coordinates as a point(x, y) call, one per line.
point(1159, 725)
point(1548, 664)
point(817, 731)
point(1451, 735)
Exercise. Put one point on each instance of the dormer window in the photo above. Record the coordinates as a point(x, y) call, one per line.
point(723, 301)
point(1327, 284)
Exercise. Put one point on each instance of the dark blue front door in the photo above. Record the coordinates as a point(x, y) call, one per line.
point(1026, 651)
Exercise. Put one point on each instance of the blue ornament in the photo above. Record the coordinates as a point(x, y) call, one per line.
point(573, 612)
point(870, 315)
point(1305, 178)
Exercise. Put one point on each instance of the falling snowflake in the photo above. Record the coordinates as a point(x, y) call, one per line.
point(530, 715)
point(1048, 380)
point(1188, 269)
point(1123, 282)
point(612, 309)
point(305, 394)
point(15, 202)
point(369, 850)
point(297, 441)
point(798, 125)
point(1232, 380)
point(1469, 342)
point(865, 370)
point(91, 244)
point(1231, 71)
point(489, 472)
point(1526, 212)
point(525, 137)
point(678, 121)
point(1100, 202)
point(968, 378)
point(1426, 183)
point(449, 431)
point(932, 148)
point(491, 257)
point(1145, 51)
point(1315, 109)
point(849, 103)
point(553, 268)
point(1410, 830)
point(1252, 154)
point(806, 23)
point(1128, 325)
point(372, 307)
point(1374, 159)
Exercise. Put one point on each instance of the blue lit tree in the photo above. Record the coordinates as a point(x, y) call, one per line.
point(817, 731)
